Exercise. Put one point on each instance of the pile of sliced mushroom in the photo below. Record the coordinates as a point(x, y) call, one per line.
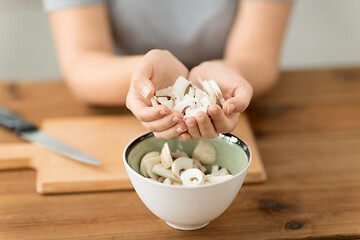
point(177, 168)
point(187, 98)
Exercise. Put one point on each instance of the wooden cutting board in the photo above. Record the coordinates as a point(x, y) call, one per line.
point(103, 137)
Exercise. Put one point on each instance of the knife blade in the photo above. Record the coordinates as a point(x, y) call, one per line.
point(31, 133)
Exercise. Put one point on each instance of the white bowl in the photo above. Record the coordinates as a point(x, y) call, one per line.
point(188, 208)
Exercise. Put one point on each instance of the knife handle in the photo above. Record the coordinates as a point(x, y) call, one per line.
point(12, 121)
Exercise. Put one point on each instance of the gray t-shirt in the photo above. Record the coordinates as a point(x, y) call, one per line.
point(194, 31)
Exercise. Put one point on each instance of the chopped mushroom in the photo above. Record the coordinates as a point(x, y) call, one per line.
point(188, 99)
point(204, 152)
point(143, 171)
point(180, 165)
point(192, 177)
point(167, 181)
point(166, 158)
point(197, 164)
point(161, 179)
point(164, 172)
point(178, 154)
point(149, 164)
point(215, 179)
point(162, 168)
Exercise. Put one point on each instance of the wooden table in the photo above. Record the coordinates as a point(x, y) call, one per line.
point(308, 131)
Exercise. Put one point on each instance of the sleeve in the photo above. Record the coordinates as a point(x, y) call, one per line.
point(53, 5)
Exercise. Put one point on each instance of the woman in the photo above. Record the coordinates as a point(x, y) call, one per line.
point(110, 49)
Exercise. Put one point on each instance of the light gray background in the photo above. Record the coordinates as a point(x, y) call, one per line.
point(321, 33)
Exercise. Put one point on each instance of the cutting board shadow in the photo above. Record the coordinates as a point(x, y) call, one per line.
point(105, 137)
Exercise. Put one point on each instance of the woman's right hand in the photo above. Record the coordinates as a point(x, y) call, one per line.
point(157, 69)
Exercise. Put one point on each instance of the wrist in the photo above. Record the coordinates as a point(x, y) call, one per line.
point(260, 73)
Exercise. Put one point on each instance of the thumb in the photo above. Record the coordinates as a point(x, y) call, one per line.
point(144, 86)
point(141, 79)
point(238, 103)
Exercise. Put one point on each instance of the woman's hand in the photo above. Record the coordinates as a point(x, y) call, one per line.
point(157, 69)
point(237, 92)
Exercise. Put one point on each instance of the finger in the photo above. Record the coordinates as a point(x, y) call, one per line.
point(163, 123)
point(145, 113)
point(184, 136)
point(222, 123)
point(141, 78)
point(192, 127)
point(144, 86)
point(171, 132)
point(142, 109)
point(206, 127)
point(239, 102)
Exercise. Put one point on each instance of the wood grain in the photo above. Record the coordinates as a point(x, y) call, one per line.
point(311, 154)
point(243, 130)
point(104, 137)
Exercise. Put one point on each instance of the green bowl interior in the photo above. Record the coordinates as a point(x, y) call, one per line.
point(230, 155)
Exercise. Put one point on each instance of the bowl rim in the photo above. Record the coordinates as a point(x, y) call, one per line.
point(234, 139)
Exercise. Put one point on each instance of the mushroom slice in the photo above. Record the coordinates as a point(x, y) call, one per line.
point(167, 181)
point(216, 172)
point(199, 94)
point(164, 172)
point(182, 105)
point(176, 183)
point(215, 179)
point(217, 91)
point(187, 97)
point(206, 86)
point(192, 112)
point(204, 152)
point(222, 172)
point(165, 92)
point(191, 92)
point(214, 169)
point(213, 98)
point(161, 179)
point(161, 100)
point(169, 103)
point(149, 163)
point(197, 164)
point(195, 87)
point(154, 101)
point(222, 101)
point(205, 101)
point(142, 170)
point(166, 159)
point(178, 154)
point(146, 156)
point(192, 177)
point(181, 86)
point(180, 165)
point(166, 102)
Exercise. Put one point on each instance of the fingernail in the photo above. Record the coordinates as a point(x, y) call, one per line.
point(163, 112)
point(202, 119)
point(214, 110)
point(183, 138)
point(180, 130)
point(191, 124)
point(176, 119)
point(145, 91)
point(231, 108)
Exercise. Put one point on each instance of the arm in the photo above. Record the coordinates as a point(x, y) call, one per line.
point(248, 69)
point(254, 44)
point(86, 55)
point(97, 76)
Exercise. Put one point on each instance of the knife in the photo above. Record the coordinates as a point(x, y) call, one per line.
point(31, 133)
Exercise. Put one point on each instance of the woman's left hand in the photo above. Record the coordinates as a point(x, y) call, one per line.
point(237, 92)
